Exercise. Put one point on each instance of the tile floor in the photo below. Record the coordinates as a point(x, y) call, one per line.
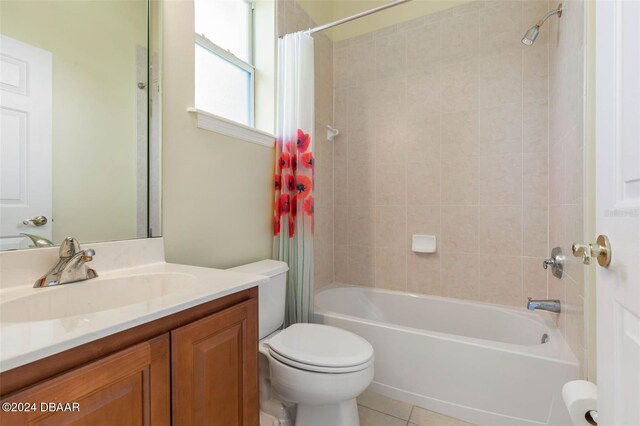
point(379, 410)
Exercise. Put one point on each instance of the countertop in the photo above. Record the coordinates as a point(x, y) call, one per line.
point(27, 341)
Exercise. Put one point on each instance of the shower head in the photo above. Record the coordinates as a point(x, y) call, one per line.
point(532, 33)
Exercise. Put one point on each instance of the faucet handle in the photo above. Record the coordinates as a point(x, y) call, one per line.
point(69, 247)
point(88, 255)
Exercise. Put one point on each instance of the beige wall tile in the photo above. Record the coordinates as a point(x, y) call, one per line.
point(459, 275)
point(362, 225)
point(420, 42)
point(423, 273)
point(390, 55)
point(391, 225)
point(456, 43)
point(460, 134)
point(535, 126)
point(451, 141)
point(391, 143)
point(500, 278)
point(361, 266)
point(557, 227)
point(501, 130)
point(423, 136)
point(500, 180)
point(388, 99)
point(534, 279)
point(536, 179)
point(500, 227)
point(535, 232)
point(361, 185)
point(423, 90)
point(391, 184)
point(460, 180)
point(573, 177)
point(360, 60)
point(501, 27)
point(535, 72)
point(500, 79)
point(340, 187)
point(423, 182)
point(459, 229)
point(391, 268)
point(341, 263)
point(341, 225)
point(460, 88)
point(423, 220)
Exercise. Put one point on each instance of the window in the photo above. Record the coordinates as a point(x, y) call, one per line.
point(225, 72)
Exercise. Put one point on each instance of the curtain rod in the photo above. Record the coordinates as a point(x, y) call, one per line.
point(356, 16)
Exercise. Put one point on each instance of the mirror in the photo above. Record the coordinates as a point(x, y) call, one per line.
point(79, 103)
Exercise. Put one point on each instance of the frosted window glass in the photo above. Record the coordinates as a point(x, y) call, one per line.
point(226, 23)
point(222, 88)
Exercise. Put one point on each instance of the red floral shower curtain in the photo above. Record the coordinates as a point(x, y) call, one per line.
point(293, 217)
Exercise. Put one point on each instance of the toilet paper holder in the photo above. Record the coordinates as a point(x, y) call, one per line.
point(591, 417)
point(581, 400)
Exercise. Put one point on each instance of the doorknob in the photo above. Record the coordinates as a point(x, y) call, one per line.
point(37, 221)
point(601, 250)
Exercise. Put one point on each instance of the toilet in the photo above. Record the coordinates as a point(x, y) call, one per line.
point(310, 374)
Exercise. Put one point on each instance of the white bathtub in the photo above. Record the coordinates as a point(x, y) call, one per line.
point(481, 363)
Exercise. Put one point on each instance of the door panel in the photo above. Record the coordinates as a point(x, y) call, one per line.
point(618, 209)
point(25, 141)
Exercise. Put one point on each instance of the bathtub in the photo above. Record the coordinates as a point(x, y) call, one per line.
point(482, 363)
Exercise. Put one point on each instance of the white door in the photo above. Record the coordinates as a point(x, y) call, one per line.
point(618, 209)
point(25, 141)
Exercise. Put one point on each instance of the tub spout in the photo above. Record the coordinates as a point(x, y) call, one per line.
point(544, 305)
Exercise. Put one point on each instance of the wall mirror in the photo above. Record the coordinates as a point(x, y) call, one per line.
point(80, 134)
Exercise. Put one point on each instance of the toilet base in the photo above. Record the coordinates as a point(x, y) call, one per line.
point(344, 413)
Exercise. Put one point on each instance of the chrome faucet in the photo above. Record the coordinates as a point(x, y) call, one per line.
point(71, 267)
point(37, 240)
point(544, 305)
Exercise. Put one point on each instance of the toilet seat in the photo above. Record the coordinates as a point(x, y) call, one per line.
point(321, 348)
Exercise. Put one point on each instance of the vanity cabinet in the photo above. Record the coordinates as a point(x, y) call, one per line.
point(195, 367)
point(130, 387)
point(211, 359)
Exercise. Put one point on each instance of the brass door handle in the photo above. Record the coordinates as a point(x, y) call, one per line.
point(36, 221)
point(601, 250)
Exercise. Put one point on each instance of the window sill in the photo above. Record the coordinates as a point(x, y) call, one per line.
point(227, 127)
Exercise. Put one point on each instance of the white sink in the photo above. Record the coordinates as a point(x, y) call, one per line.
point(96, 295)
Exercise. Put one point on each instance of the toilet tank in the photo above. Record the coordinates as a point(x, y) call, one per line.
point(271, 295)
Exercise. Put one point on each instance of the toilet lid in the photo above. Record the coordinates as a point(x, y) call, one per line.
point(317, 345)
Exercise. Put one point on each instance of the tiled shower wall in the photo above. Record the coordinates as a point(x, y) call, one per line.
point(444, 130)
point(566, 160)
point(291, 18)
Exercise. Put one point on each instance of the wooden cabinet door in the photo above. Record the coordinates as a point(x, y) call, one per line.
point(130, 387)
point(214, 369)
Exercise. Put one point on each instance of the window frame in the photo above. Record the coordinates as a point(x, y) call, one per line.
point(249, 67)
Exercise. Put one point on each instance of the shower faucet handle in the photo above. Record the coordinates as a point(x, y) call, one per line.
point(556, 261)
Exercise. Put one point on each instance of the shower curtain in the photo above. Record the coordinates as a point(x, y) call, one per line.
point(293, 219)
